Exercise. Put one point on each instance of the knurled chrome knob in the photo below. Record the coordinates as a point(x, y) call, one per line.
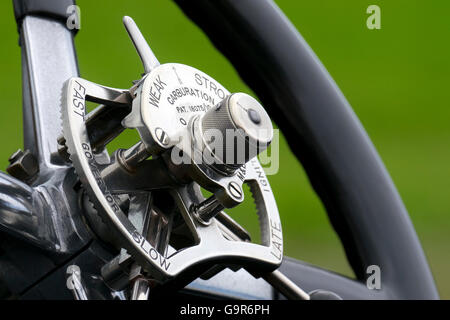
point(235, 131)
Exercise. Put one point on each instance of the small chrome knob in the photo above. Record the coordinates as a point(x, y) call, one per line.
point(235, 131)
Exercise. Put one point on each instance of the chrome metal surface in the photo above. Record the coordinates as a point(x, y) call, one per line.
point(141, 289)
point(116, 272)
point(20, 208)
point(48, 60)
point(207, 209)
point(287, 287)
point(131, 157)
point(156, 227)
point(45, 216)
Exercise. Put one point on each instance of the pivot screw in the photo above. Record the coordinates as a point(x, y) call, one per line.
point(254, 116)
point(235, 190)
point(162, 136)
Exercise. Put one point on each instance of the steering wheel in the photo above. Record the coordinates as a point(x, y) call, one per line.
point(325, 135)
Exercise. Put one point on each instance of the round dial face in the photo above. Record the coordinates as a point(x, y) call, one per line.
point(171, 95)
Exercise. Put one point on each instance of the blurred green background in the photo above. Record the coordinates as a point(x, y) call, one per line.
point(395, 78)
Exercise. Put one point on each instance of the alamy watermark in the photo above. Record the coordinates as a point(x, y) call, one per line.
point(373, 281)
point(73, 277)
point(73, 17)
point(373, 22)
point(74, 282)
point(232, 149)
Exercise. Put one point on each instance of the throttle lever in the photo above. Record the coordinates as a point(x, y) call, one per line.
point(148, 58)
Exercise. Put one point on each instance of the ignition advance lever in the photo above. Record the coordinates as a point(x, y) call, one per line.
point(146, 200)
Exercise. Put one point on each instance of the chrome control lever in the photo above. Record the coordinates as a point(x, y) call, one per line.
point(148, 58)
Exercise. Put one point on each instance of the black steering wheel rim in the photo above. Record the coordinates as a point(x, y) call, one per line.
point(325, 135)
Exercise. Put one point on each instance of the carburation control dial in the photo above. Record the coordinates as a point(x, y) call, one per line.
point(235, 130)
point(167, 99)
point(232, 128)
